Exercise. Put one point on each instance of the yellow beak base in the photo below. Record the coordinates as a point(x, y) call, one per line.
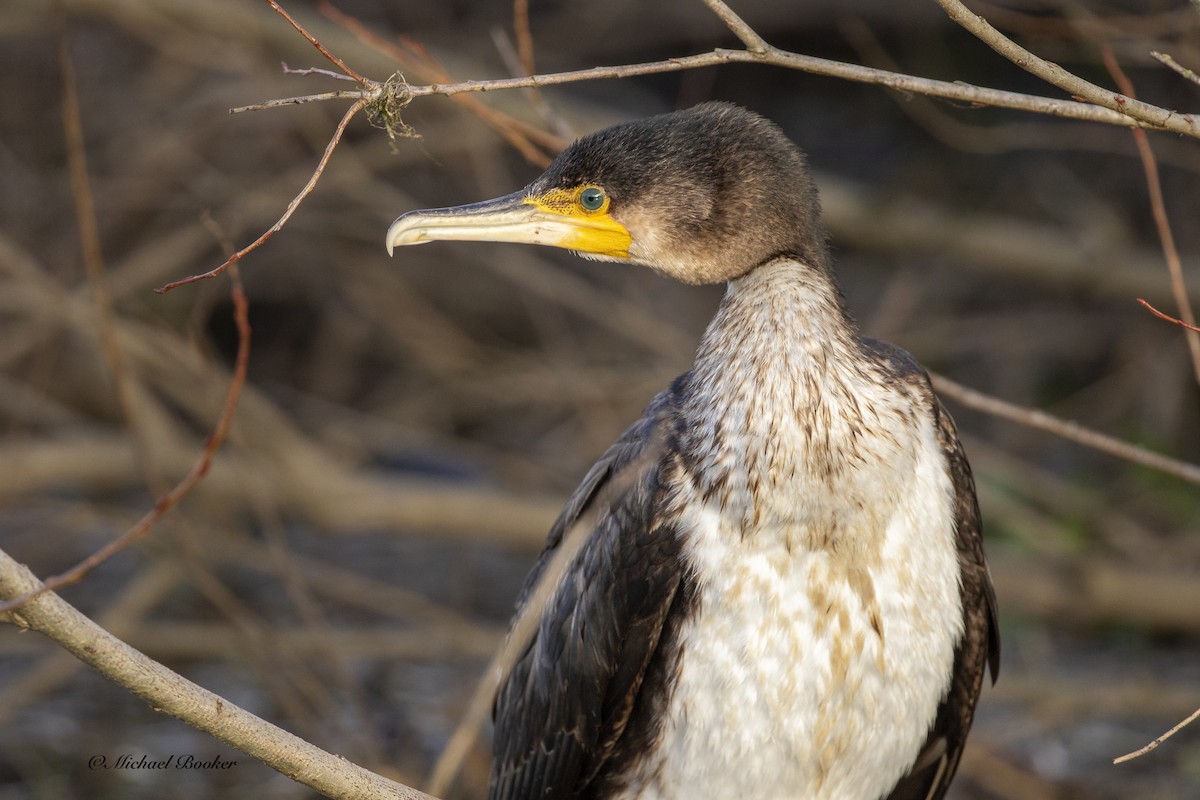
point(516, 218)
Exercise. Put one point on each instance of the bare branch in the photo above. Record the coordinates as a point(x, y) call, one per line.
point(1167, 317)
point(1142, 751)
point(1161, 222)
point(291, 209)
point(1100, 108)
point(1073, 431)
point(1139, 114)
point(520, 61)
point(364, 82)
point(1166, 60)
point(168, 691)
point(524, 36)
point(962, 92)
point(370, 92)
point(307, 98)
point(754, 43)
point(306, 71)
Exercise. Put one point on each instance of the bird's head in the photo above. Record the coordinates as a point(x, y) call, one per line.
point(703, 195)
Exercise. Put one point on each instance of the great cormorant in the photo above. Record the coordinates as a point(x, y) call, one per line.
point(783, 595)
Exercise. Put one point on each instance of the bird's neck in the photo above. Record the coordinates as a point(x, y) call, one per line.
point(781, 391)
point(780, 337)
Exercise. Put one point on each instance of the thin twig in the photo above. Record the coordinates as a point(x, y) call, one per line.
point(1166, 60)
point(1159, 208)
point(306, 71)
point(524, 36)
point(291, 208)
point(364, 82)
point(199, 469)
point(307, 98)
point(1167, 317)
point(1073, 431)
point(522, 58)
point(1142, 751)
point(754, 43)
point(1139, 113)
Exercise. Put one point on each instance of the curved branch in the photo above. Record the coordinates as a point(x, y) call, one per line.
point(291, 208)
point(164, 690)
point(1147, 748)
point(337, 62)
point(1162, 223)
point(342, 94)
point(1139, 114)
point(1166, 60)
point(962, 92)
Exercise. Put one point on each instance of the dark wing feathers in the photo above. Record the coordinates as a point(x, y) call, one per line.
point(567, 700)
point(979, 648)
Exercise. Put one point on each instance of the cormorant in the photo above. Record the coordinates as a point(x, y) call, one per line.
point(783, 595)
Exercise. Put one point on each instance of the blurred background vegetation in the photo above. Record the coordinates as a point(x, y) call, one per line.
point(410, 426)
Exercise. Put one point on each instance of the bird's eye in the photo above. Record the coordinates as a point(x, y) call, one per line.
point(592, 198)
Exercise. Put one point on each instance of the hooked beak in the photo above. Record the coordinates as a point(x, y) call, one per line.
point(518, 217)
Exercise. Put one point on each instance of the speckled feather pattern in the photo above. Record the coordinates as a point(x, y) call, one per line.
point(817, 516)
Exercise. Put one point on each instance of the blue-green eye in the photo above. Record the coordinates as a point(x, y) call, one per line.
point(592, 198)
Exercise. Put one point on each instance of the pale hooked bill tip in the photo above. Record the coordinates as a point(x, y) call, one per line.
point(404, 231)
